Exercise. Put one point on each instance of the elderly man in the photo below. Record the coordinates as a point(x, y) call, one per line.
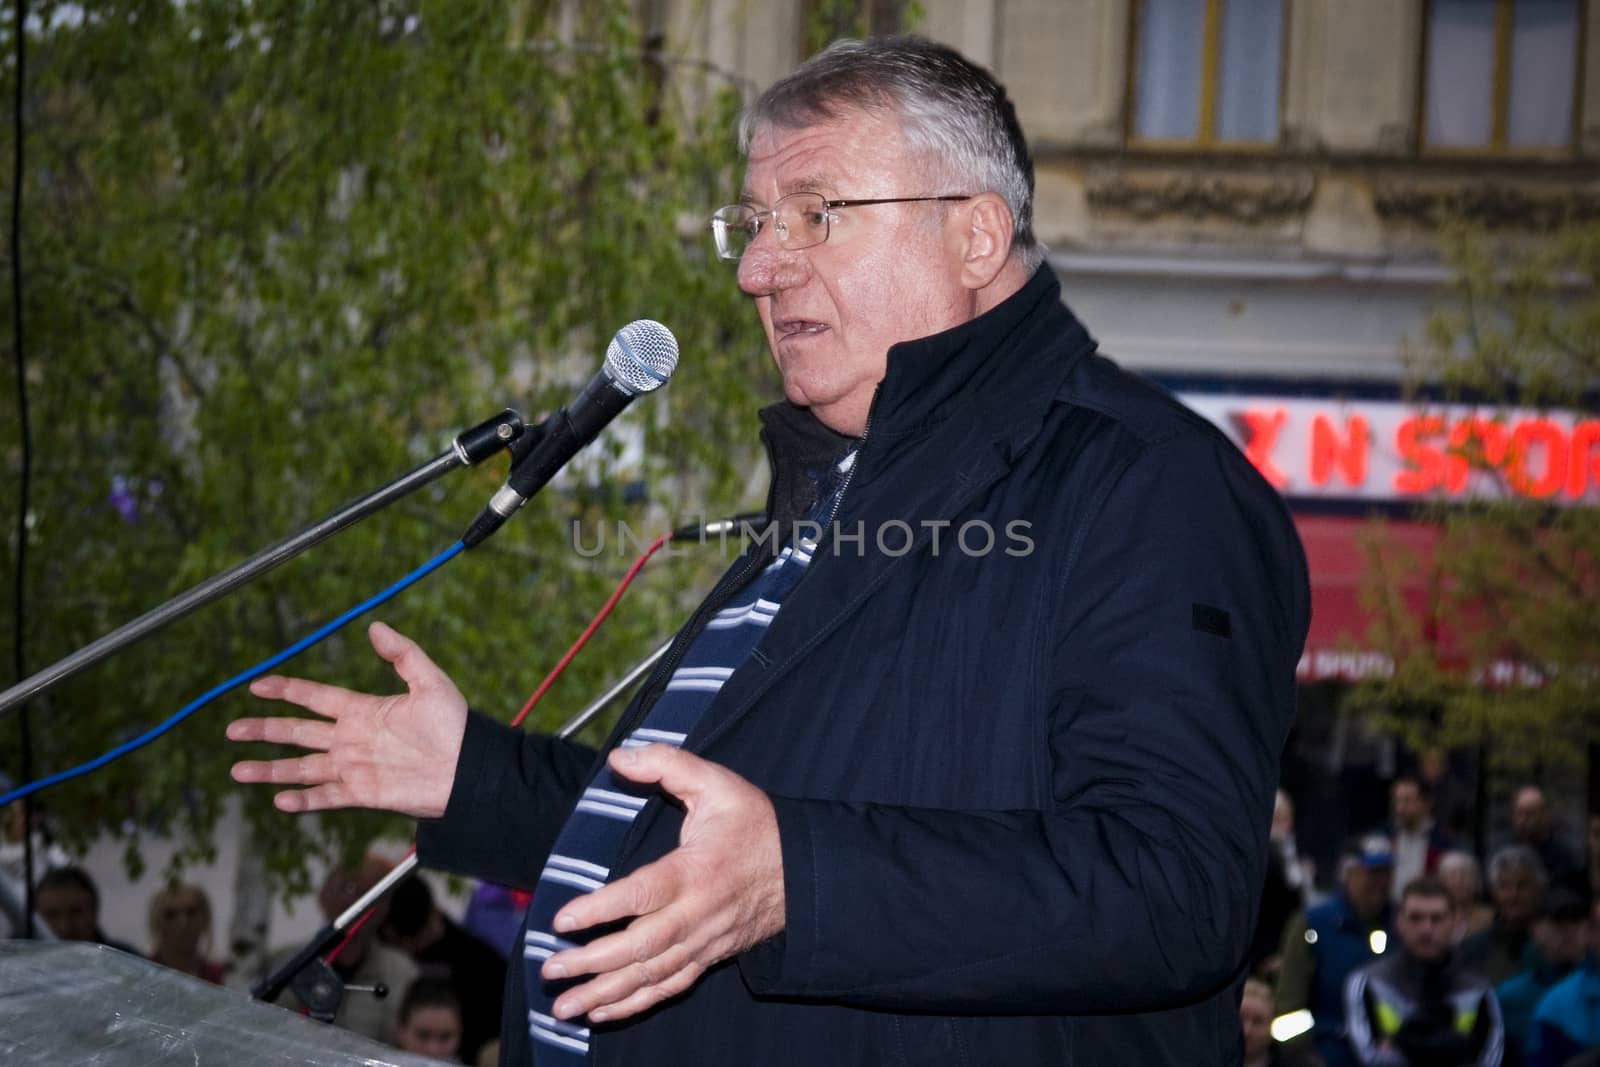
point(984, 773)
point(1517, 883)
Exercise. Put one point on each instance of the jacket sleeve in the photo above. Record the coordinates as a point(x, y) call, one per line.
point(1167, 663)
point(512, 793)
point(1369, 1052)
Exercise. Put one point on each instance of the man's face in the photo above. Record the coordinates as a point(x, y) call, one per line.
point(1561, 941)
point(1407, 804)
point(887, 273)
point(1516, 897)
point(1255, 1019)
point(68, 911)
point(1368, 887)
point(1530, 816)
point(183, 920)
point(1425, 925)
point(430, 1031)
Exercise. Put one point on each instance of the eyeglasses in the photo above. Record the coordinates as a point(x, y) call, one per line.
point(799, 220)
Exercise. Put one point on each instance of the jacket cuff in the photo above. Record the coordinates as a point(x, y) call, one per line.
point(488, 750)
point(777, 966)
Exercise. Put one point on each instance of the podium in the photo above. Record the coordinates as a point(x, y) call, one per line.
point(68, 1002)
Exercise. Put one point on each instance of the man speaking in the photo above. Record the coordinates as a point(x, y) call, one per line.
point(893, 796)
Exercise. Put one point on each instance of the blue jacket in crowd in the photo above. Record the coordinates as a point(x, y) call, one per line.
point(1343, 942)
point(1567, 1020)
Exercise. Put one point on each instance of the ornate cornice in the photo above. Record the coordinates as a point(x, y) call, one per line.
point(1249, 197)
point(1493, 203)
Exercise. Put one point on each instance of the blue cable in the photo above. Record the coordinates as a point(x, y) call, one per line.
point(239, 679)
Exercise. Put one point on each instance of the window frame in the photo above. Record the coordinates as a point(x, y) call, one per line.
point(1499, 146)
point(1205, 138)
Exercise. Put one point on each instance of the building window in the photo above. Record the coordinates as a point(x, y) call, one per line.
point(1501, 74)
point(1207, 72)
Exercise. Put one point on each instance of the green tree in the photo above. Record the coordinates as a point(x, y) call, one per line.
point(1516, 576)
point(277, 253)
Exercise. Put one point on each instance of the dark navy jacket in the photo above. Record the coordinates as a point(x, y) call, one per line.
point(1023, 796)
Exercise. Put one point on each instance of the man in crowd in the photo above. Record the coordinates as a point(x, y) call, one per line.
point(437, 944)
point(1567, 1019)
point(1331, 940)
point(1535, 828)
point(887, 800)
point(429, 1023)
point(1452, 799)
point(1516, 884)
point(1560, 936)
point(68, 902)
point(1418, 841)
point(1417, 1007)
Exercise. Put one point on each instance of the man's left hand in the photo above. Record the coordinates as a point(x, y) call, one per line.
point(715, 895)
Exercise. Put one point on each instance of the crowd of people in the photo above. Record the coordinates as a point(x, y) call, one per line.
point(1413, 959)
point(415, 978)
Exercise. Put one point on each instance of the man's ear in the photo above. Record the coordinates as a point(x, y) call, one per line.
point(983, 235)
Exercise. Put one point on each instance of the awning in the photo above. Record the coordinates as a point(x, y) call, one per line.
point(1340, 644)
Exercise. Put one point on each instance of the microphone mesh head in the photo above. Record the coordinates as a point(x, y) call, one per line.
point(642, 356)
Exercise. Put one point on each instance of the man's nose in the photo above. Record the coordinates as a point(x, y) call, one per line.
point(767, 267)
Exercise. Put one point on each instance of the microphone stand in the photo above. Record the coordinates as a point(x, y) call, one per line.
point(469, 448)
point(314, 981)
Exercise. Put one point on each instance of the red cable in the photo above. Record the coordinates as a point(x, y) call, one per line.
point(594, 625)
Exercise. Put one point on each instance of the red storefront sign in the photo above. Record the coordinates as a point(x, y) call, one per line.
point(1388, 451)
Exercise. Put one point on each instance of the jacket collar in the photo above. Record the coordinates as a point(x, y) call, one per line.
point(980, 369)
point(904, 474)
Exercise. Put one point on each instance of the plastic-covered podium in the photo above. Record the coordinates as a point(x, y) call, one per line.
point(83, 1005)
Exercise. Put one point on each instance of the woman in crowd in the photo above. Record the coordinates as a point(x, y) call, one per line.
point(180, 931)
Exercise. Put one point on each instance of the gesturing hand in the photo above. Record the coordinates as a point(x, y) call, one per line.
point(718, 893)
point(394, 753)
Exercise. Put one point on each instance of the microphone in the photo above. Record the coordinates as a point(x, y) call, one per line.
point(640, 359)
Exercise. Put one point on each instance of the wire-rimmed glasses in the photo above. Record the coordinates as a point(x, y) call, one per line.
point(799, 220)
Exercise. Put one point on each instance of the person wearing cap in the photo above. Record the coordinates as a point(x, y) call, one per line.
point(1329, 941)
point(1416, 1006)
point(1560, 936)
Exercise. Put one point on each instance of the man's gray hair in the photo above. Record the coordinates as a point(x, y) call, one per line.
point(952, 113)
point(1517, 858)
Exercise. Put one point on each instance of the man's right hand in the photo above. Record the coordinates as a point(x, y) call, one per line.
point(394, 753)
